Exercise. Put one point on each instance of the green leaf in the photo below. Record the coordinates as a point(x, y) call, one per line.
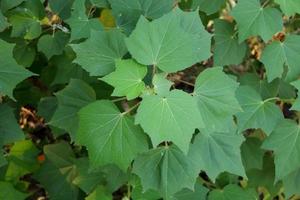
point(62, 8)
point(127, 79)
point(70, 100)
point(165, 169)
point(157, 49)
point(79, 22)
point(102, 49)
point(10, 72)
point(218, 151)
point(174, 117)
point(232, 192)
point(215, 95)
point(8, 4)
point(253, 19)
point(8, 192)
point(277, 55)
point(208, 6)
point(252, 154)
point(200, 192)
point(9, 128)
point(109, 135)
point(24, 54)
point(100, 3)
point(285, 148)
point(289, 7)
point(52, 45)
point(99, 194)
point(296, 104)
point(3, 22)
point(257, 113)
point(227, 51)
point(291, 184)
point(161, 85)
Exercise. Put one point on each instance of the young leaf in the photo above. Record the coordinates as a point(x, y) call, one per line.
point(174, 117)
point(109, 135)
point(296, 105)
point(161, 85)
point(10, 72)
point(166, 44)
point(257, 113)
point(232, 192)
point(8, 192)
point(289, 7)
point(208, 6)
point(215, 95)
point(70, 100)
point(165, 169)
point(227, 51)
point(127, 79)
point(253, 19)
point(53, 45)
point(218, 151)
point(278, 54)
point(284, 141)
point(101, 49)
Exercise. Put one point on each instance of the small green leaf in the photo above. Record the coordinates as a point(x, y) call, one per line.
point(289, 7)
point(24, 54)
point(52, 45)
point(257, 113)
point(99, 194)
point(200, 192)
point(127, 79)
point(174, 117)
point(102, 49)
point(253, 19)
point(109, 135)
point(3, 22)
point(232, 192)
point(62, 8)
point(208, 6)
point(252, 154)
point(165, 169)
point(8, 192)
point(161, 85)
point(227, 51)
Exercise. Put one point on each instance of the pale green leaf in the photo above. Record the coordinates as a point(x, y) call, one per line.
point(253, 20)
point(161, 85)
point(109, 135)
point(101, 49)
point(174, 117)
point(289, 7)
point(127, 79)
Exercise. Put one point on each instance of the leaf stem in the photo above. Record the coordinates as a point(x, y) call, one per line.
point(265, 3)
point(119, 99)
point(271, 99)
point(185, 82)
point(131, 109)
point(128, 191)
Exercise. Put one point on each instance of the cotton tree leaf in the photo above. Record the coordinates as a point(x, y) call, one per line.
point(9, 128)
point(24, 54)
point(218, 151)
point(278, 54)
point(232, 192)
point(150, 43)
point(8, 192)
point(10, 72)
point(109, 135)
point(252, 154)
point(257, 113)
point(62, 8)
point(284, 141)
point(289, 7)
point(174, 117)
point(3, 22)
point(291, 184)
point(296, 104)
point(8, 4)
point(200, 192)
point(79, 22)
point(165, 169)
point(208, 6)
point(215, 94)
point(102, 49)
point(52, 45)
point(70, 100)
point(227, 51)
point(127, 79)
point(99, 193)
point(127, 12)
point(252, 19)
point(161, 85)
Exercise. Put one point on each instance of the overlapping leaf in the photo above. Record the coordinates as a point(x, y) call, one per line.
point(289, 7)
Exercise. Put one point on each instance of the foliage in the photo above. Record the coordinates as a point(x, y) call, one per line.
point(149, 99)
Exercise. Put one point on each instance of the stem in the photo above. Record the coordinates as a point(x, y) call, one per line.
point(131, 109)
point(271, 99)
point(128, 191)
point(91, 11)
point(119, 99)
point(266, 3)
point(185, 82)
point(166, 144)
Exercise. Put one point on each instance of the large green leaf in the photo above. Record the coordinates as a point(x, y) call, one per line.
point(285, 141)
point(80, 23)
point(165, 169)
point(8, 192)
point(289, 7)
point(164, 41)
point(10, 72)
point(8, 4)
point(257, 113)
point(208, 6)
point(101, 49)
point(109, 135)
point(9, 128)
point(232, 192)
point(227, 48)
point(70, 100)
point(277, 55)
point(253, 19)
point(24, 54)
point(215, 95)
point(127, 79)
point(218, 151)
point(174, 117)
point(61, 7)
